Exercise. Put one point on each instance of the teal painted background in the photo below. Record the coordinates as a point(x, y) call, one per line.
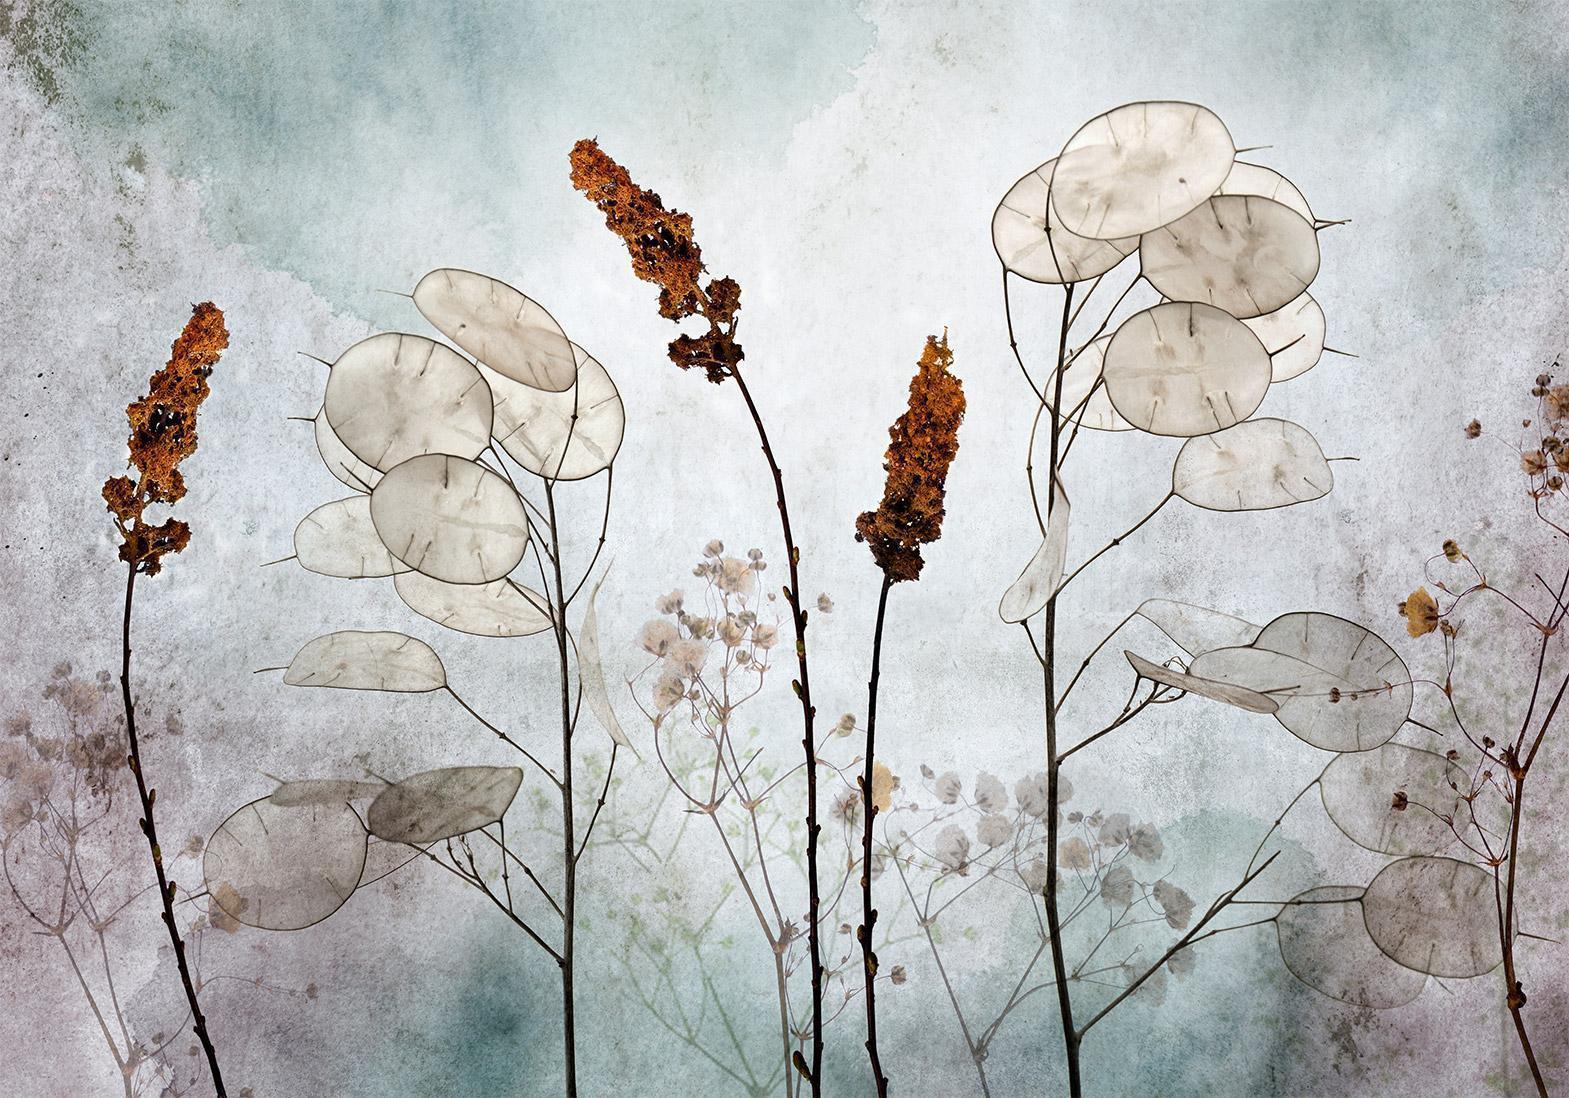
point(291, 160)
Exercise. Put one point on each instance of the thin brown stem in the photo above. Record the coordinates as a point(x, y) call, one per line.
point(869, 814)
point(1118, 540)
point(150, 831)
point(568, 834)
point(1220, 903)
point(1514, 993)
point(604, 793)
point(1070, 1036)
point(504, 738)
point(803, 690)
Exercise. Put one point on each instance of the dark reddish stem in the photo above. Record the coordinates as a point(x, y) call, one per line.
point(567, 958)
point(150, 830)
point(803, 690)
point(1071, 1037)
point(869, 814)
point(1514, 994)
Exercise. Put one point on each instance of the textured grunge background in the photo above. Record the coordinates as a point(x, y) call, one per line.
point(289, 161)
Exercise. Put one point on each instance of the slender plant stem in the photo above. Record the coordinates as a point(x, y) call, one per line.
point(1118, 540)
point(568, 837)
point(868, 815)
point(504, 738)
point(782, 989)
point(1514, 995)
point(803, 690)
point(923, 917)
point(1070, 1036)
point(1220, 903)
point(150, 830)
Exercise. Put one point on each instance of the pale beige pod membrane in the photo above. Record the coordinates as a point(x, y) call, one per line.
point(396, 396)
point(451, 519)
point(353, 659)
point(500, 608)
point(1244, 254)
point(1358, 790)
point(1032, 242)
point(592, 669)
point(1081, 379)
point(1340, 687)
point(1293, 335)
point(1197, 629)
point(1138, 167)
point(285, 867)
point(440, 804)
point(1197, 685)
point(1257, 465)
point(1042, 576)
point(309, 791)
point(511, 333)
point(1435, 915)
point(1266, 183)
point(339, 539)
point(1184, 368)
point(536, 428)
point(1324, 943)
point(340, 460)
point(1352, 658)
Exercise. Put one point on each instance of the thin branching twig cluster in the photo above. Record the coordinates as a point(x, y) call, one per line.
point(707, 657)
point(1475, 797)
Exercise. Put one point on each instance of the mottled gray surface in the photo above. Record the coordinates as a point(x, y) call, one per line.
point(287, 161)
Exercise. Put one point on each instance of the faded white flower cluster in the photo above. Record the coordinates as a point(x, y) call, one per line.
point(83, 747)
point(723, 630)
point(708, 655)
point(1104, 859)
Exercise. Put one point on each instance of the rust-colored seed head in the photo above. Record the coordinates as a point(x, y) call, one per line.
point(659, 240)
point(924, 441)
point(163, 434)
point(663, 252)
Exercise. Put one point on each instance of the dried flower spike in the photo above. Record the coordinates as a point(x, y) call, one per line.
point(924, 441)
point(163, 434)
point(663, 252)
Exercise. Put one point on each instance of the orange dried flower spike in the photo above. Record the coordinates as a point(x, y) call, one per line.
point(664, 252)
point(924, 441)
point(163, 434)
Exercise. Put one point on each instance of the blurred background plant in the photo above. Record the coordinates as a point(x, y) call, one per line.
point(958, 845)
point(65, 852)
point(727, 801)
point(1475, 912)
